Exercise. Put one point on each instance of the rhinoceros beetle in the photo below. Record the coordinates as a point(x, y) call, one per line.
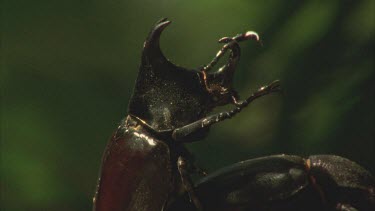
point(146, 167)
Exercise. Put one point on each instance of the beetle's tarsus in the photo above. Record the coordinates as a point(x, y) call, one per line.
point(230, 44)
point(249, 35)
point(225, 39)
point(162, 20)
point(264, 90)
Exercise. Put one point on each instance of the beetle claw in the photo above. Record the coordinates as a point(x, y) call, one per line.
point(275, 86)
point(225, 39)
point(162, 20)
point(249, 35)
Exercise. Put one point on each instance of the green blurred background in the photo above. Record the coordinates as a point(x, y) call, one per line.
point(69, 67)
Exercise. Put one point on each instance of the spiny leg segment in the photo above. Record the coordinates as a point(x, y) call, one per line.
point(232, 44)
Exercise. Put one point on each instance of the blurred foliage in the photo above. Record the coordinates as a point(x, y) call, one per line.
point(68, 70)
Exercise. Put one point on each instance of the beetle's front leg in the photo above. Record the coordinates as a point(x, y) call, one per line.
point(184, 170)
point(229, 44)
point(180, 133)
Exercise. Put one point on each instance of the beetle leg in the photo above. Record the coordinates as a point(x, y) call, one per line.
point(179, 133)
point(229, 46)
point(230, 42)
point(221, 80)
point(183, 169)
point(264, 90)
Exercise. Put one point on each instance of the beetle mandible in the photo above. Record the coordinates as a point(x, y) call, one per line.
point(146, 167)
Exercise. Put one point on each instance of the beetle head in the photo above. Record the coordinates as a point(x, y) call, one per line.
point(167, 96)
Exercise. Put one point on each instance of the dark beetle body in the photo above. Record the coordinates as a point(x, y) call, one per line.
point(285, 182)
point(146, 167)
point(139, 167)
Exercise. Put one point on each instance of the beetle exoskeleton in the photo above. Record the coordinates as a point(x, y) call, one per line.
point(146, 167)
point(285, 182)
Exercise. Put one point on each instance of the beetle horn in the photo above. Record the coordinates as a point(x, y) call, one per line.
point(151, 47)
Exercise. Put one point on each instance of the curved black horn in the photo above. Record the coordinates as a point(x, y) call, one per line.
point(151, 48)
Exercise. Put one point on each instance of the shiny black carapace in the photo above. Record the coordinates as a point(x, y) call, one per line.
point(146, 167)
point(145, 163)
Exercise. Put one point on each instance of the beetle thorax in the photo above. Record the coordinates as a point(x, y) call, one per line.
point(167, 96)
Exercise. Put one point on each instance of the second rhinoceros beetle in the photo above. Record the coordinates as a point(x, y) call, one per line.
point(146, 167)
